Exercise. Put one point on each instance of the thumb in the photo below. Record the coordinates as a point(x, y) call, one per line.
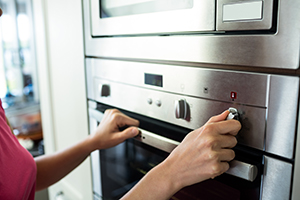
point(219, 117)
point(130, 132)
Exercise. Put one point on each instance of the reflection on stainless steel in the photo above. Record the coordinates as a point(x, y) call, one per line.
point(157, 141)
point(112, 8)
point(243, 170)
point(277, 179)
point(170, 21)
point(282, 115)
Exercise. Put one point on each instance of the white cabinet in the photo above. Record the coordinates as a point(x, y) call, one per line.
point(60, 58)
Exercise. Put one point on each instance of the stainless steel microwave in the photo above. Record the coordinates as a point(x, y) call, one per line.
point(245, 33)
point(131, 17)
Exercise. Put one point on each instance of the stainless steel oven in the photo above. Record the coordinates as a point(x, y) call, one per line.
point(171, 100)
point(173, 64)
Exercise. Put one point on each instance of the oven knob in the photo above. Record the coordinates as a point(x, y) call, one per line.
point(233, 114)
point(105, 90)
point(181, 109)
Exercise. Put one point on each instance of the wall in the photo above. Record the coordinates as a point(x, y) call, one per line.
point(60, 53)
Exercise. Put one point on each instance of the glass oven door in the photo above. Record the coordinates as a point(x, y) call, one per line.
point(116, 170)
point(131, 17)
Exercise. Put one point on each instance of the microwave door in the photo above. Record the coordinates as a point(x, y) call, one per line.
point(134, 17)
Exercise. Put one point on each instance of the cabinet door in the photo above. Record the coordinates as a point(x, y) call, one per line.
point(63, 190)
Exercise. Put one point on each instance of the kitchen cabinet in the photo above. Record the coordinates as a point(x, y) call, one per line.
point(60, 59)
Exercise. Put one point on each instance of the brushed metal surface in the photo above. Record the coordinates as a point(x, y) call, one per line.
point(296, 175)
point(243, 170)
point(200, 17)
point(157, 141)
point(251, 88)
point(282, 115)
point(265, 23)
point(276, 179)
point(129, 92)
point(278, 50)
point(268, 117)
point(261, 98)
point(135, 99)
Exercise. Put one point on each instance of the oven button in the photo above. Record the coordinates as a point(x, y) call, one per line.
point(158, 103)
point(149, 100)
point(181, 109)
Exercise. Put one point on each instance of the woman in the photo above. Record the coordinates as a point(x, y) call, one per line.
point(203, 154)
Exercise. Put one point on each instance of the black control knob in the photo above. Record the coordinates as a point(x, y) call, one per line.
point(181, 109)
point(105, 90)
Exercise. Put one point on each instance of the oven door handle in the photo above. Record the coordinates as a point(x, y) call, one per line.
point(237, 168)
point(97, 115)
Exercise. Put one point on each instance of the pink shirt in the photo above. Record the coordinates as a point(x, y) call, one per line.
point(17, 166)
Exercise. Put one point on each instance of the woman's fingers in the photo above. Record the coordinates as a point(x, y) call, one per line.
point(121, 119)
point(226, 155)
point(218, 118)
point(231, 127)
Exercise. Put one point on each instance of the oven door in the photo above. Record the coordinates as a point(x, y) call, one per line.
point(131, 17)
point(116, 170)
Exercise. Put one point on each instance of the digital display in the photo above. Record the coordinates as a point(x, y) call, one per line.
point(154, 79)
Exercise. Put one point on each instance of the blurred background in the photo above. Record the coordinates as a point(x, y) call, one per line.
point(18, 73)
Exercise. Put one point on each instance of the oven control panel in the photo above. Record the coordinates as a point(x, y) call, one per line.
point(188, 97)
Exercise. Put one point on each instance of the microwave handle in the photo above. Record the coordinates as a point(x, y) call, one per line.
point(237, 168)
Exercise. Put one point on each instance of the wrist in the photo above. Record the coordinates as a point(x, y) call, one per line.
point(158, 183)
point(167, 179)
point(90, 143)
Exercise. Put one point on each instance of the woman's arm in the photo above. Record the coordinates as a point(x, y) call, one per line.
point(203, 154)
point(52, 168)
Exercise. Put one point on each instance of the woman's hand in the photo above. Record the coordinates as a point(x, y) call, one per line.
point(108, 133)
point(204, 153)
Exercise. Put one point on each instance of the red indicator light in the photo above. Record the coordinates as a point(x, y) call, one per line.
point(233, 95)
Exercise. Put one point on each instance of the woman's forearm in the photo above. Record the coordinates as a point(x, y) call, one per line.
point(156, 184)
point(52, 168)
